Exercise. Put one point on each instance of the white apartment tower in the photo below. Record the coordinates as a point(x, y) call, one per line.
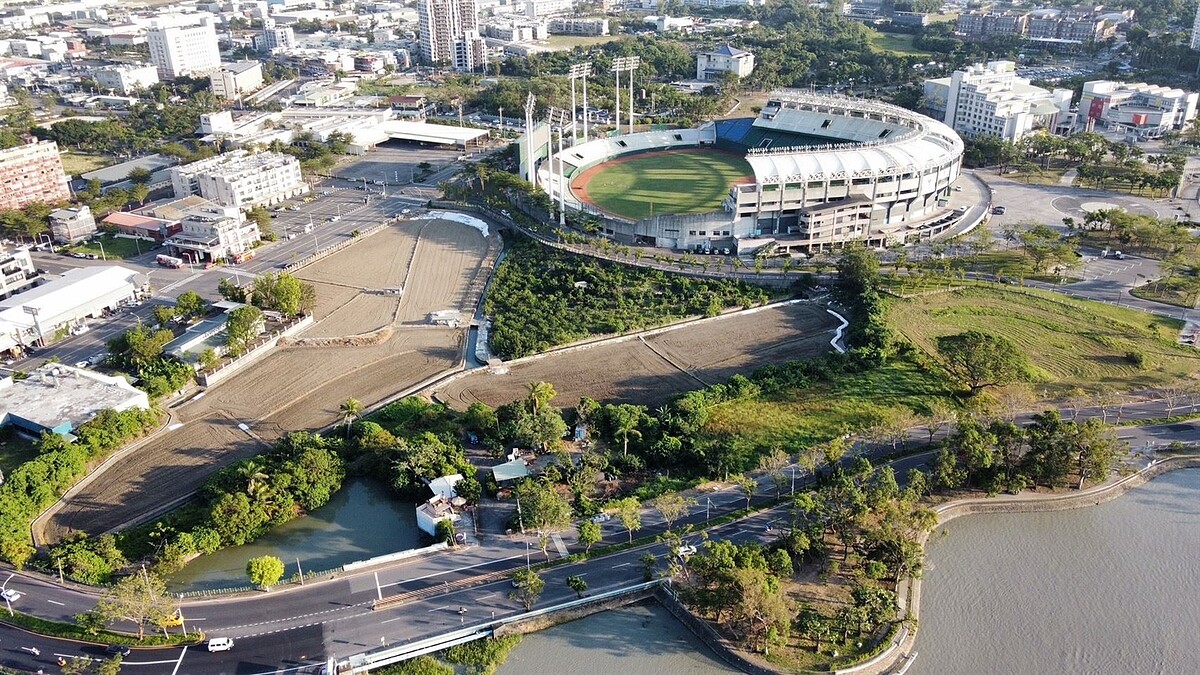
point(184, 50)
point(241, 179)
point(990, 100)
point(274, 37)
point(450, 34)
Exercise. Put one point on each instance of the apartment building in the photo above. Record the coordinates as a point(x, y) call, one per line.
point(232, 80)
point(1048, 26)
point(17, 270)
point(986, 24)
point(240, 179)
point(184, 50)
point(274, 37)
point(569, 25)
point(723, 59)
point(73, 224)
point(541, 9)
point(213, 233)
point(1146, 111)
point(32, 173)
point(990, 100)
point(126, 78)
point(450, 34)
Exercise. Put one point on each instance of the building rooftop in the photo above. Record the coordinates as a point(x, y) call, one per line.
point(510, 470)
point(728, 50)
point(73, 288)
point(119, 172)
point(240, 67)
point(56, 394)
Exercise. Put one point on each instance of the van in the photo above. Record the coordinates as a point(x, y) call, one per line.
point(222, 644)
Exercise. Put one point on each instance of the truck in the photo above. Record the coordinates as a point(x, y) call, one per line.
point(169, 261)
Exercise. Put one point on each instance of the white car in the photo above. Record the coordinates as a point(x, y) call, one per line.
point(601, 518)
point(334, 219)
point(10, 595)
point(82, 364)
point(685, 550)
point(220, 644)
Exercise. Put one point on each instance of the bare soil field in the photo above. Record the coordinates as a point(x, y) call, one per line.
point(364, 313)
point(378, 261)
point(330, 297)
point(652, 371)
point(296, 387)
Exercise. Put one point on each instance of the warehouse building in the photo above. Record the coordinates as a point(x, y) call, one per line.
point(64, 304)
point(58, 399)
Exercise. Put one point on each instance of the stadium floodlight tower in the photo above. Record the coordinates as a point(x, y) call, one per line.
point(625, 64)
point(530, 103)
point(578, 71)
point(558, 119)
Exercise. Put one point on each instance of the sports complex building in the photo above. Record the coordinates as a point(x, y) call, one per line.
point(811, 172)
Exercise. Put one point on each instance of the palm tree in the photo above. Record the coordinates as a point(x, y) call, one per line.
point(540, 395)
point(252, 471)
point(626, 418)
point(351, 410)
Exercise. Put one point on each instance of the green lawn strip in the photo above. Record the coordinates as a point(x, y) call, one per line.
point(891, 43)
point(1171, 293)
point(1070, 343)
point(114, 248)
point(75, 163)
point(693, 181)
point(69, 631)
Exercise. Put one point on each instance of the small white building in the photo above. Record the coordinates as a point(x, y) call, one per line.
point(232, 80)
point(213, 233)
point(127, 78)
point(17, 270)
point(440, 506)
point(1146, 111)
point(59, 399)
point(724, 59)
point(72, 224)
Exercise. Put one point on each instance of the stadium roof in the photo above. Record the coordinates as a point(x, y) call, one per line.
point(422, 132)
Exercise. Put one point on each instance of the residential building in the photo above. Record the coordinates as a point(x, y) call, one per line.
point(986, 23)
point(32, 173)
point(1050, 26)
point(723, 59)
point(569, 25)
point(73, 224)
point(184, 50)
point(17, 270)
point(991, 100)
point(1146, 111)
point(240, 179)
point(213, 233)
point(540, 9)
point(450, 34)
point(274, 37)
point(1195, 42)
point(232, 80)
point(36, 315)
point(510, 28)
point(126, 78)
point(140, 226)
point(56, 398)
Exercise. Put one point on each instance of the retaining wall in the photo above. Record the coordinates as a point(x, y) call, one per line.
point(707, 634)
point(255, 353)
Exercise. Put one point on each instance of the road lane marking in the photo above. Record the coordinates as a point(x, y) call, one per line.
point(460, 569)
point(180, 661)
point(55, 602)
point(399, 618)
point(438, 609)
point(621, 565)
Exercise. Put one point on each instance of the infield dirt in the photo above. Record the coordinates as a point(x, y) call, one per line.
point(301, 387)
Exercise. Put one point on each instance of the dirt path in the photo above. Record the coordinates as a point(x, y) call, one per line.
point(301, 387)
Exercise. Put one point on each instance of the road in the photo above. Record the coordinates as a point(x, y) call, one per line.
point(298, 627)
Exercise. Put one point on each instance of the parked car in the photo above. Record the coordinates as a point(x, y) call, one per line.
point(601, 518)
point(82, 364)
point(117, 650)
point(685, 550)
point(222, 644)
point(10, 595)
point(998, 210)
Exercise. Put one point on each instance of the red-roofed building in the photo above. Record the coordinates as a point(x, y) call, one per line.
point(146, 227)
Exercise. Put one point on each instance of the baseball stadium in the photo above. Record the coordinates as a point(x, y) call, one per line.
point(810, 172)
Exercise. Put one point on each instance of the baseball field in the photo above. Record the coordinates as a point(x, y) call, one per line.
point(668, 181)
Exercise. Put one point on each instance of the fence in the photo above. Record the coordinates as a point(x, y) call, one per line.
point(256, 351)
point(328, 251)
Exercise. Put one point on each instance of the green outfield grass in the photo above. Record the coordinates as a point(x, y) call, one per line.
point(687, 181)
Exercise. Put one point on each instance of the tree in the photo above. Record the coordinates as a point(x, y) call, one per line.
point(746, 484)
point(590, 534)
point(577, 584)
point(139, 194)
point(982, 360)
point(940, 415)
point(138, 599)
point(629, 512)
point(774, 463)
point(139, 176)
point(527, 587)
point(264, 571)
point(672, 506)
point(625, 418)
point(541, 508)
point(189, 305)
point(163, 315)
point(243, 325)
point(350, 410)
point(209, 359)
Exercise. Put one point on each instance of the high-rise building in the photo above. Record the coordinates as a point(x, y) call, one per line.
point(274, 37)
point(184, 50)
point(126, 78)
point(990, 100)
point(1196, 29)
point(32, 173)
point(241, 179)
point(232, 80)
point(450, 34)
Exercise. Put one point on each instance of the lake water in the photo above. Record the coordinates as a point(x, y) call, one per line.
point(637, 639)
point(1108, 589)
point(362, 520)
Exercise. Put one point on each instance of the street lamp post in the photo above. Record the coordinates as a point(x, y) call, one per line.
point(33, 311)
point(102, 255)
point(3, 586)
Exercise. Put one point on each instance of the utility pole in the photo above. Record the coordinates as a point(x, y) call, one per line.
point(299, 570)
point(530, 103)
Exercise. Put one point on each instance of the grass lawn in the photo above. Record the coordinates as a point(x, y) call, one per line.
point(75, 163)
point(817, 414)
point(1070, 343)
point(114, 248)
point(1175, 292)
point(563, 42)
point(899, 44)
point(686, 181)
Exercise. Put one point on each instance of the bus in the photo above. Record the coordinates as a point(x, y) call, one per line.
point(169, 261)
